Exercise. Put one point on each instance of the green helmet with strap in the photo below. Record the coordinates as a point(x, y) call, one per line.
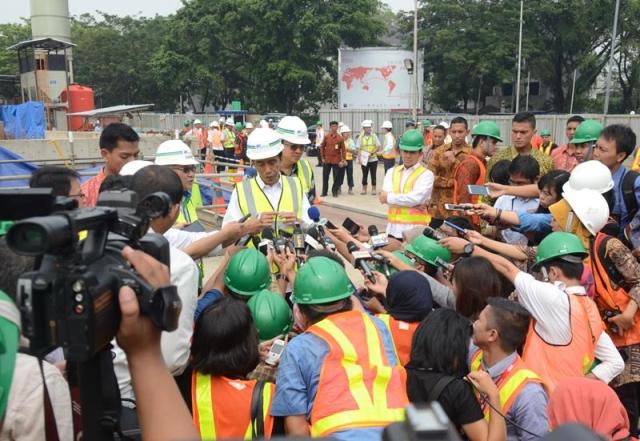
point(404, 258)
point(426, 123)
point(9, 343)
point(487, 128)
point(429, 250)
point(588, 131)
point(412, 141)
point(545, 132)
point(271, 314)
point(321, 280)
point(239, 126)
point(248, 272)
point(560, 244)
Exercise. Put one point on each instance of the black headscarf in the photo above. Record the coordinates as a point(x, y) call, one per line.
point(409, 296)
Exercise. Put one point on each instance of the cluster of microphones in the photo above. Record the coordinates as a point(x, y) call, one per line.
point(301, 241)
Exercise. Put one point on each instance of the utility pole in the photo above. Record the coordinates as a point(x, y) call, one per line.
point(519, 59)
point(416, 70)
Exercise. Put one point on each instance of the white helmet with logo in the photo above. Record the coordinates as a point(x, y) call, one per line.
point(590, 174)
point(590, 207)
point(367, 123)
point(387, 125)
point(263, 143)
point(174, 152)
point(293, 130)
point(345, 129)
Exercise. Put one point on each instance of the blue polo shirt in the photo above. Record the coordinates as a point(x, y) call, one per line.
point(619, 208)
point(299, 374)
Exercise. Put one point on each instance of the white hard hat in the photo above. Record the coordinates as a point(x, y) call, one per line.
point(444, 124)
point(222, 119)
point(230, 122)
point(248, 126)
point(264, 124)
point(593, 175)
point(345, 129)
point(340, 124)
point(197, 121)
point(590, 207)
point(387, 125)
point(263, 143)
point(130, 168)
point(293, 130)
point(367, 123)
point(174, 152)
point(214, 124)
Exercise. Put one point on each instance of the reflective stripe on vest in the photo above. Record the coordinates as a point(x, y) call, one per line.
point(402, 335)
point(253, 201)
point(229, 139)
point(189, 205)
point(608, 298)
point(407, 215)
point(204, 412)
point(305, 173)
point(517, 377)
point(368, 144)
point(577, 356)
point(357, 385)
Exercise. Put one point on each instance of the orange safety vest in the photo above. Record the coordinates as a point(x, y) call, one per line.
point(555, 362)
point(222, 407)
point(402, 334)
point(609, 296)
point(480, 181)
point(358, 387)
point(216, 139)
point(407, 215)
point(510, 383)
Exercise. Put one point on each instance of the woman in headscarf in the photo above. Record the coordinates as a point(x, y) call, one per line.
point(407, 299)
point(592, 403)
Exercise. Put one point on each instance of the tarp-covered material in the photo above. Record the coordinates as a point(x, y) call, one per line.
point(14, 168)
point(24, 121)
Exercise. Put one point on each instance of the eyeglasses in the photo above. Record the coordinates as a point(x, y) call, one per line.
point(295, 147)
point(186, 169)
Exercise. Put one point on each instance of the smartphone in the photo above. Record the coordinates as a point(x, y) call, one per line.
point(330, 225)
point(277, 348)
point(478, 189)
point(455, 227)
point(458, 207)
point(351, 226)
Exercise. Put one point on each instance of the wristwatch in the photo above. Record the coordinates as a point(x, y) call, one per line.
point(468, 249)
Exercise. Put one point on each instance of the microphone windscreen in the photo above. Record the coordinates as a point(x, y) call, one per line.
point(314, 213)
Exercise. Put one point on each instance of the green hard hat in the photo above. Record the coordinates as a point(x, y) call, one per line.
point(271, 314)
point(403, 257)
point(248, 272)
point(545, 132)
point(187, 123)
point(321, 280)
point(428, 250)
point(239, 126)
point(412, 141)
point(588, 131)
point(487, 128)
point(426, 122)
point(560, 244)
point(9, 342)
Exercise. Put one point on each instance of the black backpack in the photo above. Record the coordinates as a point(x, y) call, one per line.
point(628, 193)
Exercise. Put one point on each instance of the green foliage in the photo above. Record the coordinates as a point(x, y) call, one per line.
point(11, 34)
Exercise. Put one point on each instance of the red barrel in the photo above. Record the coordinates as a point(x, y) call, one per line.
point(80, 100)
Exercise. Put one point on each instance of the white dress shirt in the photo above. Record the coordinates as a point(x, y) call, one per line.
point(175, 345)
point(273, 193)
point(551, 310)
point(24, 416)
point(419, 195)
point(182, 239)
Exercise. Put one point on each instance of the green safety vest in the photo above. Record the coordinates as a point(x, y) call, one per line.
point(188, 206)
point(305, 174)
point(229, 139)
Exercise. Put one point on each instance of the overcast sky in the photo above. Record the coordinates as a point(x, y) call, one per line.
point(12, 10)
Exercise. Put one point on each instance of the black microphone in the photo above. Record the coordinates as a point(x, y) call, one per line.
point(377, 240)
point(433, 233)
point(361, 260)
point(298, 242)
point(373, 230)
point(267, 241)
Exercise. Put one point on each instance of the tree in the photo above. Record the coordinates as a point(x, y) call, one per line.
point(628, 56)
point(12, 33)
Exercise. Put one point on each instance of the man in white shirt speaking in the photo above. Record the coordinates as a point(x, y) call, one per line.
point(407, 188)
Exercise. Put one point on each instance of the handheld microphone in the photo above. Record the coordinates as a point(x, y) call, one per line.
point(312, 238)
point(377, 240)
point(361, 260)
point(433, 233)
point(298, 242)
point(266, 243)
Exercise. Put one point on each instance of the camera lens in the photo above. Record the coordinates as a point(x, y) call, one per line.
point(39, 235)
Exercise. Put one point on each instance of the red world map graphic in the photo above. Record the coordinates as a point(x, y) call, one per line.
point(365, 74)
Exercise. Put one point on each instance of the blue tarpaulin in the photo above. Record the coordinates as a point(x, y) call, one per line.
point(24, 120)
point(16, 168)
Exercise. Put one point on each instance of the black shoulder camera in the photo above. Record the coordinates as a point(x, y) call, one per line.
point(71, 299)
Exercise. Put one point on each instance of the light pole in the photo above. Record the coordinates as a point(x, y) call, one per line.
point(408, 64)
point(613, 51)
point(519, 59)
point(573, 89)
point(416, 95)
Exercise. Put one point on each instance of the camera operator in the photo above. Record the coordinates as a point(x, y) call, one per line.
point(64, 182)
point(184, 275)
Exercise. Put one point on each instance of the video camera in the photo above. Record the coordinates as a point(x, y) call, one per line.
point(71, 299)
